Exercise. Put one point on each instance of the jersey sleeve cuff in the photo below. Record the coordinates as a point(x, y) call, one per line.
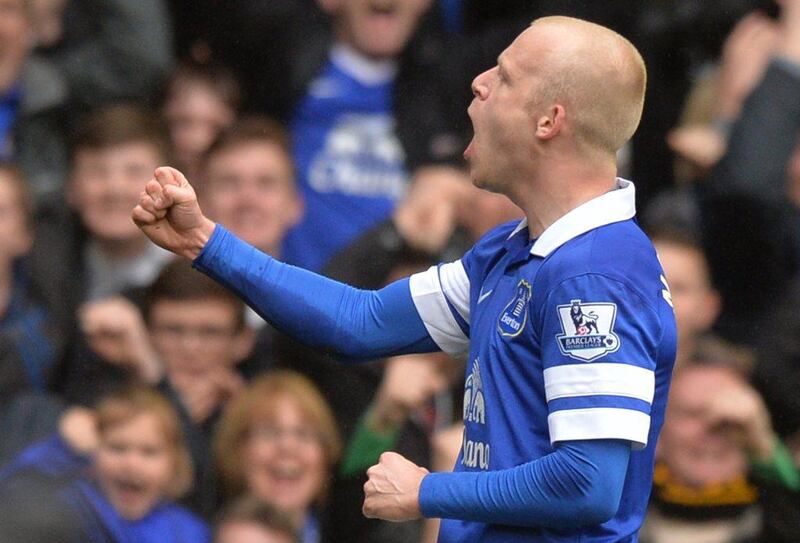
point(430, 493)
point(205, 260)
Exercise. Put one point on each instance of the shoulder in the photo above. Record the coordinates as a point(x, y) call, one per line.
point(619, 252)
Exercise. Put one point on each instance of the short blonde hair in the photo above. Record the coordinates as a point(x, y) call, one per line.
point(130, 402)
point(601, 78)
point(258, 403)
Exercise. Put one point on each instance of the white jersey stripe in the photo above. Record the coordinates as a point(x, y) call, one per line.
point(455, 286)
point(605, 378)
point(426, 291)
point(599, 423)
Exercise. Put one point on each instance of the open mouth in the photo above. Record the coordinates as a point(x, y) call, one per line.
point(129, 490)
point(286, 474)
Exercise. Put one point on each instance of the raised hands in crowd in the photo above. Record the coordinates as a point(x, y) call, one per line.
point(116, 331)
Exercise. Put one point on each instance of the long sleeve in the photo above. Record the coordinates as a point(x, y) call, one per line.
point(350, 322)
point(580, 483)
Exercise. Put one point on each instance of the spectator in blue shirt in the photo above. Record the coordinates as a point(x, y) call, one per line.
point(111, 476)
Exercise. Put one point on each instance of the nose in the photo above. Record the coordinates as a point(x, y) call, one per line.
point(481, 85)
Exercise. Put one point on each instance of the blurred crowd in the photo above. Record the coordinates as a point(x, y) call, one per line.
point(142, 402)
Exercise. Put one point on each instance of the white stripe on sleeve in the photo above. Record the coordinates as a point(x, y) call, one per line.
point(429, 299)
point(455, 285)
point(612, 379)
point(600, 423)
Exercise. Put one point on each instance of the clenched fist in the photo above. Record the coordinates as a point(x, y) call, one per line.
point(168, 214)
point(392, 490)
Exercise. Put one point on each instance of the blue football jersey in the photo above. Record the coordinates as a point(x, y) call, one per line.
point(569, 337)
point(350, 164)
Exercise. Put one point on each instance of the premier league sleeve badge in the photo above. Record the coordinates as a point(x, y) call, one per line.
point(588, 330)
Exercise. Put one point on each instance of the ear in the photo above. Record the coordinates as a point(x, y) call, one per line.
point(243, 344)
point(551, 124)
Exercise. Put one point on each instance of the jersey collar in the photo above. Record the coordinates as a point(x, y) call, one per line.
point(614, 206)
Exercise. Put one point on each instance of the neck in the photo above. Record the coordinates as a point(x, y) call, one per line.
point(299, 517)
point(546, 196)
point(116, 250)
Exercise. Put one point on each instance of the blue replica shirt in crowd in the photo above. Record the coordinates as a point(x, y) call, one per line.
point(570, 337)
point(350, 164)
point(25, 325)
point(94, 514)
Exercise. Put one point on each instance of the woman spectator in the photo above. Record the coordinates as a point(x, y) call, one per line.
point(278, 441)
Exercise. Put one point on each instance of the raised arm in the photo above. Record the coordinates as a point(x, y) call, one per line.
point(765, 134)
point(323, 313)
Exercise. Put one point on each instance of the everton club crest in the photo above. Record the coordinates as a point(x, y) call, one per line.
point(588, 330)
point(515, 315)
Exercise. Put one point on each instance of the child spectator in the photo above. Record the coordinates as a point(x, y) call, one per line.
point(115, 486)
point(113, 151)
point(200, 102)
point(99, 252)
point(188, 343)
point(250, 183)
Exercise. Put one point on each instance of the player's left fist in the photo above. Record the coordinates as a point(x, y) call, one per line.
point(392, 490)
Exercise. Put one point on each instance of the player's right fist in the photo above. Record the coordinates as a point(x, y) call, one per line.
point(168, 214)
